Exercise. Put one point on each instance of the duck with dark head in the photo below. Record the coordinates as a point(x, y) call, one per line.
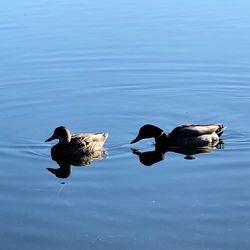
point(188, 140)
point(183, 135)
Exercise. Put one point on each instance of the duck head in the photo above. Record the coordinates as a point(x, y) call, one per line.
point(62, 134)
point(148, 131)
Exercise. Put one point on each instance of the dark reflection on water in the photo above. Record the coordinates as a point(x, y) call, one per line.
point(149, 158)
point(65, 163)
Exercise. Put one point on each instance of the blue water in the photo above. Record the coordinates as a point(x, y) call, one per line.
point(114, 66)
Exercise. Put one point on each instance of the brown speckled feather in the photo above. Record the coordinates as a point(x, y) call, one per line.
point(194, 130)
point(197, 135)
point(76, 145)
point(87, 142)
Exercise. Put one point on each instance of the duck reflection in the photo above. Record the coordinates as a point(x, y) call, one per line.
point(149, 158)
point(65, 163)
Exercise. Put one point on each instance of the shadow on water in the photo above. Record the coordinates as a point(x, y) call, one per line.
point(149, 158)
point(65, 163)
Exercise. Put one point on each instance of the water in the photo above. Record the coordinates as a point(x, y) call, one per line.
point(114, 66)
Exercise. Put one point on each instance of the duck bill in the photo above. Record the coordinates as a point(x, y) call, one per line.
point(138, 138)
point(51, 138)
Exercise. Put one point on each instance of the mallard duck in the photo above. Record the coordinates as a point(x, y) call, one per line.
point(76, 145)
point(183, 135)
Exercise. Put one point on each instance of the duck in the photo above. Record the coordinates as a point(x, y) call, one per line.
point(188, 135)
point(76, 145)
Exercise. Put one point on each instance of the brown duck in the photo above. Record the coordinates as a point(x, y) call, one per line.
point(76, 145)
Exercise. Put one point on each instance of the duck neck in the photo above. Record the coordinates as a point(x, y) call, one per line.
point(65, 140)
point(162, 138)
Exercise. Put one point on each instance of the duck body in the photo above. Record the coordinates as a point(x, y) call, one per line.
point(76, 145)
point(191, 135)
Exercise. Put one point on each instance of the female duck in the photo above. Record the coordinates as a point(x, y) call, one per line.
point(76, 144)
point(183, 135)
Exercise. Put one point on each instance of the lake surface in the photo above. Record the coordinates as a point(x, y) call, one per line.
point(113, 66)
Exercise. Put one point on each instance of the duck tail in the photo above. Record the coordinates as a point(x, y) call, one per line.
point(105, 136)
point(220, 130)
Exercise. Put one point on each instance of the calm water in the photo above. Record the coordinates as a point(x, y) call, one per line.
point(113, 66)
